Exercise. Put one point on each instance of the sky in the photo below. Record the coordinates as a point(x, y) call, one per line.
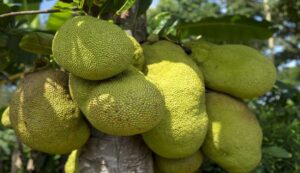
point(154, 3)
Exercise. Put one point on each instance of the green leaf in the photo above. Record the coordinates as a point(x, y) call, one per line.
point(143, 6)
point(55, 20)
point(157, 22)
point(3, 40)
point(5, 9)
point(4, 59)
point(4, 146)
point(164, 25)
point(126, 6)
point(31, 6)
point(62, 16)
point(227, 28)
point(89, 3)
point(67, 1)
point(16, 54)
point(80, 3)
point(112, 6)
point(99, 3)
point(276, 151)
point(37, 42)
point(28, 1)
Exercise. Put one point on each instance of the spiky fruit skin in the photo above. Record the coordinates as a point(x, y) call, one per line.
point(92, 49)
point(184, 125)
point(138, 58)
point(72, 163)
point(124, 105)
point(188, 164)
point(234, 135)
point(44, 116)
point(5, 118)
point(237, 70)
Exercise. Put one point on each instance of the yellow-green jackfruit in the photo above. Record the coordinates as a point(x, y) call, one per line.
point(237, 70)
point(184, 125)
point(5, 118)
point(92, 49)
point(188, 164)
point(44, 116)
point(234, 135)
point(124, 105)
point(138, 58)
point(72, 163)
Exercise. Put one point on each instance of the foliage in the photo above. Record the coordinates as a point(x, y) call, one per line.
point(7, 144)
point(279, 116)
point(189, 11)
point(229, 28)
point(223, 28)
point(278, 111)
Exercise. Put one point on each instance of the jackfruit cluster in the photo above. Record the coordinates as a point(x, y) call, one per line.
point(125, 105)
point(218, 122)
point(232, 73)
point(52, 110)
point(182, 104)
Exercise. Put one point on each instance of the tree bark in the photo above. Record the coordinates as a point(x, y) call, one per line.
point(268, 15)
point(114, 154)
point(16, 158)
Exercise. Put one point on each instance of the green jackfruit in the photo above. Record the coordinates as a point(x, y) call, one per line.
point(124, 105)
point(92, 49)
point(184, 125)
point(138, 58)
point(237, 70)
point(44, 116)
point(234, 136)
point(5, 118)
point(72, 163)
point(188, 164)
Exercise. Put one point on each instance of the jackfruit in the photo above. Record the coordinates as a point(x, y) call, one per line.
point(138, 58)
point(237, 70)
point(5, 118)
point(124, 105)
point(188, 164)
point(72, 163)
point(92, 49)
point(184, 125)
point(44, 116)
point(234, 135)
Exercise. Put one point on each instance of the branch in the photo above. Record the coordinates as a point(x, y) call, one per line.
point(12, 78)
point(31, 12)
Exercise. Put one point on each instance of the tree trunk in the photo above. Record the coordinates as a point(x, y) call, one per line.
point(268, 15)
point(112, 154)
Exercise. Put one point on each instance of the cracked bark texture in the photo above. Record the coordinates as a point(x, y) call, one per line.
point(114, 154)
